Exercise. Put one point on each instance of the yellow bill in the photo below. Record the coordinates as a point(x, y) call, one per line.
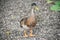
point(36, 8)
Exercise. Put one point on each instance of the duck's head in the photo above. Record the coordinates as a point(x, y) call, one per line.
point(34, 6)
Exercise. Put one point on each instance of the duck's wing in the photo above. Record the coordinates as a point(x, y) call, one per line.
point(31, 21)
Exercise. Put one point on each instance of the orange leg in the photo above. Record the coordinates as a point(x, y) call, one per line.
point(31, 33)
point(25, 34)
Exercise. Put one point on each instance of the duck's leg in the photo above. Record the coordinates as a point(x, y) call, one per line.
point(31, 33)
point(25, 34)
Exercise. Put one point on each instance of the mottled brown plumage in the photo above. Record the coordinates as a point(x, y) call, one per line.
point(31, 22)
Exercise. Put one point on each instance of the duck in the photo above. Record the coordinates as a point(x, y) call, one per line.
point(29, 22)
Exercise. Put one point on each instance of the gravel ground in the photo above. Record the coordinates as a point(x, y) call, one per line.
point(12, 11)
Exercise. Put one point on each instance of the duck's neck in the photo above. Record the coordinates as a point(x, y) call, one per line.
point(32, 12)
